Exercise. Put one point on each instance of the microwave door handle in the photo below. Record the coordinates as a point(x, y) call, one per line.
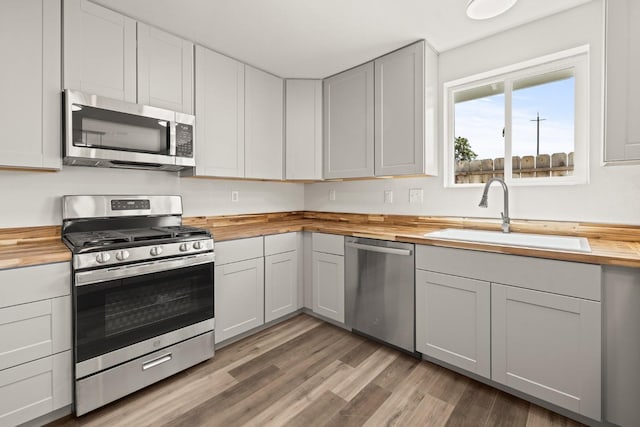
point(172, 137)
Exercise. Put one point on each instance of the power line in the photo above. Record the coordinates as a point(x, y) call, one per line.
point(537, 120)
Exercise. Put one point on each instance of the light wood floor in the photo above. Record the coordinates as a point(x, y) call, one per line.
point(304, 372)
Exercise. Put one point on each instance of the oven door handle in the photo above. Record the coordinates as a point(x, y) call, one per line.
point(106, 274)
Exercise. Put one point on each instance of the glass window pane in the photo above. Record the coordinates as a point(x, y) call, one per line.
point(543, 139)
point(479, 133)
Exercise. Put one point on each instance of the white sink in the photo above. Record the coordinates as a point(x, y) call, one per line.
point(540, 241)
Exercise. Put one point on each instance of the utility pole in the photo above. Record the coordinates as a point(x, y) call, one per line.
point(538, 120)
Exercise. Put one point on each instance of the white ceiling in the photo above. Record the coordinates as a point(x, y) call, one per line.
point(317, 38)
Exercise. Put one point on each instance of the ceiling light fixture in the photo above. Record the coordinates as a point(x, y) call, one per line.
point(485, 9)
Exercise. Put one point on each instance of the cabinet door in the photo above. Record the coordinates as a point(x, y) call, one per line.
point(263, 125)
point(219, 115)
point(239, 297)
point(399, 112)
point(328, 286)
point(99, 51)
point(30, 83)
point(165, 70)
point(34, 330)
point(34, 389)
point(348, 123)
point(453, 320)
point(548, 346)
point(303, 129)
point(622, 85)
point(280, 285)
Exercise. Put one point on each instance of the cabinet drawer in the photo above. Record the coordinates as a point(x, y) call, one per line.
point(559, 277)
point(34, 389)
point(239, 250)
point(279, 243)
point(34, 330)
point(40, 282)
point(328, 243)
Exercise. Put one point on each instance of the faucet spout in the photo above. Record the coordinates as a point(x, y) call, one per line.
point(506, 221)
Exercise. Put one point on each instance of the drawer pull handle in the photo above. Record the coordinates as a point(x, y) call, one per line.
point(157, 361)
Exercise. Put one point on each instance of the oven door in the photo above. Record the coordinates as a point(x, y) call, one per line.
point(125, 312)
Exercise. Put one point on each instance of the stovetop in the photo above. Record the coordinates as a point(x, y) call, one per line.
point(107, 231)
point(107, 239)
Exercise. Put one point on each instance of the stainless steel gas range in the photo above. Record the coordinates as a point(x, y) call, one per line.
point(143, 293)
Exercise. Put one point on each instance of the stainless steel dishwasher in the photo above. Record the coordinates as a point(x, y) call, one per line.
point(380, 296)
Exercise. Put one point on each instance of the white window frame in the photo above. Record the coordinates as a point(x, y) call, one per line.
point(576, 58)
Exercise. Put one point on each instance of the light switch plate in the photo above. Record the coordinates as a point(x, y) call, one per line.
point(235, 196)
point(415, 195)
point(332, 195)
point(388, 196)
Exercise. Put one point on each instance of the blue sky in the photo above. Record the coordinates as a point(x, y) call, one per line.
point(481, 120)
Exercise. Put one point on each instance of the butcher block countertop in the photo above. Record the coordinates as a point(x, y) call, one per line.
point(21, 247)
point(610, 244)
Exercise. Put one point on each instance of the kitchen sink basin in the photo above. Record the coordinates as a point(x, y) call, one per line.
point(539, 241)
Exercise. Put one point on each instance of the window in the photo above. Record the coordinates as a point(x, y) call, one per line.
point(526, 123)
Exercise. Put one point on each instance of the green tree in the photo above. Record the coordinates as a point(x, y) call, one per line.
point(463, 149)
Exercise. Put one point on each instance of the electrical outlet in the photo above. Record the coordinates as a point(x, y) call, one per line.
point(388, 196)
point(415, 195)
point(332, 195)
point(235, 196)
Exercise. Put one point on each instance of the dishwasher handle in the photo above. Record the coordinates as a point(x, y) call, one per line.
point(381, 249)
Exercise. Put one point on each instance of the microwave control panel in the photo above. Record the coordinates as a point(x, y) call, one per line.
point(184, 140)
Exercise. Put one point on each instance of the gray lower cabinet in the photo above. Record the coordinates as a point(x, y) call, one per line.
point(453, 320)
point(257, 280)
point(281, 275)
point(328, 276)
point(35, 341)
point(621, 346)
point(548, 346)
point(545, 322)
point(239, 287)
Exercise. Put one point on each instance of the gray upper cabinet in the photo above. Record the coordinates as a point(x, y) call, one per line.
point(400, 112)
point(348, 123)
point(165, 70)
point(109, 54)
point(30, 83)
point(622, 134)
point(99, 51)
point(264, 109)
point(219, 115)
point(303, 129)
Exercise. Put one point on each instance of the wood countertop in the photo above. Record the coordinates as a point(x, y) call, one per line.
point(610, 244)
point(22, 247)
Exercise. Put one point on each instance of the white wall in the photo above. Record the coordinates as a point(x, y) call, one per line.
point(33, 198)
point(613, 194)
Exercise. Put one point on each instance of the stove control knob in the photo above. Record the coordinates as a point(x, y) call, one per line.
point(103, 257)
point(197, 245)
point(184, 247)
point(122, 255)
point(155, 251)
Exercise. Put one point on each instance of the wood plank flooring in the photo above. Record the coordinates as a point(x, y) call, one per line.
point(304, 372)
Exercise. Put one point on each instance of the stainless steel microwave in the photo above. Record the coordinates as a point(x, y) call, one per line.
point(105, 132)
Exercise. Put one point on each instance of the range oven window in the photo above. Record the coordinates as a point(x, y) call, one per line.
point(121, 312)
point(98, 128)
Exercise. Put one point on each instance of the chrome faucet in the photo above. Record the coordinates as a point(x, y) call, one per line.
point(483, 202)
